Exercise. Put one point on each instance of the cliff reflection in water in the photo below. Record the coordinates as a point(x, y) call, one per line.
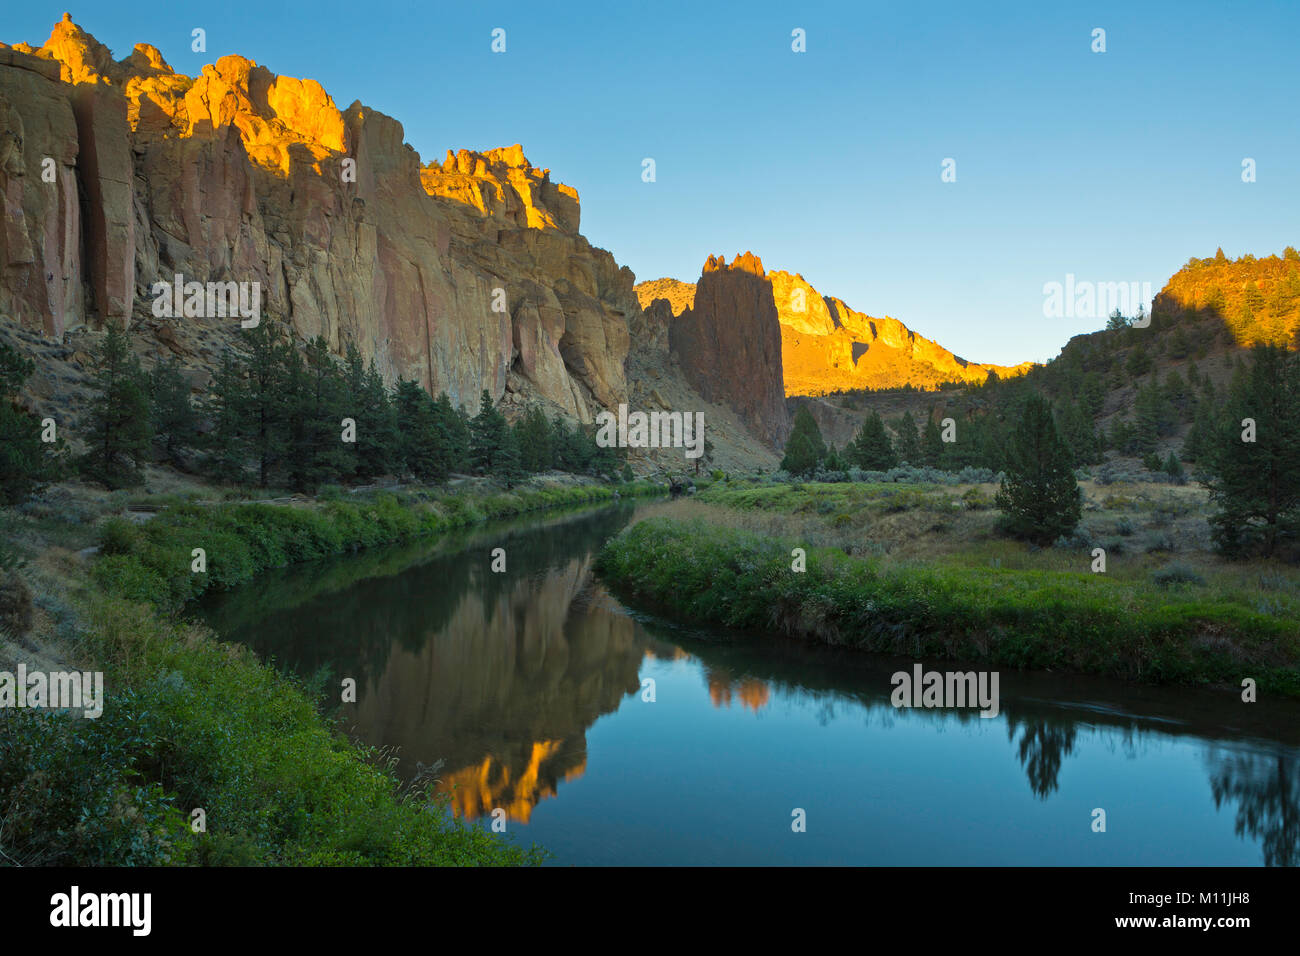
point(503, 693)
point(494, 676)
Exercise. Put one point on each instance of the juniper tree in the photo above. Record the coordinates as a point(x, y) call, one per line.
point(259, 408)
point(227, 443)
point(805, 448)
point(172, 414)
point(1252, 466)
point(1039, 498)
point(24, 461)
point(490, 442)
point(314, 401)
point(908, 443)
point(118, 432)
point(425, 446)
point(367, 402)
point(932, 444)
point(871, 449)
point(533, 439)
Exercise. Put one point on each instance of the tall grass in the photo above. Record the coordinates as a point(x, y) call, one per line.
point(1024, 619)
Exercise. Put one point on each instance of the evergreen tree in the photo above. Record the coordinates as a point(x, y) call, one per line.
point(872, 450)
point(1139, 363)
point(175, 423)
point(1039, 497)
point(260, 410)
point(24, 461)
point(119, 436)
point(533, 438)
point(932, 444)
point(367, 402)
point(315, 391)
point(1079, 436)
point(1174, 468)
point(834, 460)
point(425, 443)
point(1256, 484)
point(490, 444)
point(804, 449)
point(228, 444)
point(908, 443)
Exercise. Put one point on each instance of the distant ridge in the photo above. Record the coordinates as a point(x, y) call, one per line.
point(826, 346)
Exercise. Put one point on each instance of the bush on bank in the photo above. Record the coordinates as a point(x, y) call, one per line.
point(153, 561)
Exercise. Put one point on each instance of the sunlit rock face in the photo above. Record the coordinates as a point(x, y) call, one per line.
point(827, 346)
point(728, 344)
point(242, 175)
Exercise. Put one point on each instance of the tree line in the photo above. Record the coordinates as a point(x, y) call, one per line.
point(283, 416)
point(1244, 440)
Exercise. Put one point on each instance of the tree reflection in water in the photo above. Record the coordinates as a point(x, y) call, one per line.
point(1266, 789)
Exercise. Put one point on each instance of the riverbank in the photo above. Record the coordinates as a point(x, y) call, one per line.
point(1022, 609)
point(204, 754)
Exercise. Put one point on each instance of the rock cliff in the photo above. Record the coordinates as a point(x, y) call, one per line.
point(827, 346)
point(728, 344)
point(465, 275)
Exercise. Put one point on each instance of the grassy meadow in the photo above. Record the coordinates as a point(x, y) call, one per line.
point(921, 570)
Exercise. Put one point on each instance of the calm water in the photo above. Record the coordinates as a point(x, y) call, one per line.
point(527, 685)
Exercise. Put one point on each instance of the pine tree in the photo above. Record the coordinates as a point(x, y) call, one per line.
point(1039, 497)
point(228, 444)
point(1174, 468)
point(489, 437)
point(834, 460)
point(367, 402)
point(261, 411)
point(24, 461)
point(872, 450)
point(175, 423)
point(908, 442)
point(533, 438)
point(119, 416)
point(425, 443)
point(804, 449)
point(1079, 436)
point(1256, 484)
point(315, 401)
point(932, 444)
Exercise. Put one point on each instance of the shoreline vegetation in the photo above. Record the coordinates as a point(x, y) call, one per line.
point(921, 571)
point(195, 724)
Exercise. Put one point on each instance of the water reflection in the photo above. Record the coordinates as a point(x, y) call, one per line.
point(502, 676)
point(1265, 788)
point(1043, 744)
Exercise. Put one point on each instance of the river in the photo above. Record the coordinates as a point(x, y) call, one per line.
point(532, 687)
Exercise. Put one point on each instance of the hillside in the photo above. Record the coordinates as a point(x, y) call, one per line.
point(1202, 323)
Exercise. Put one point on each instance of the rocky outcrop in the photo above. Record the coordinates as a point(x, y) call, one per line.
point(827, 346)
point(728, 344)
point(677, 294)
point(464, 276)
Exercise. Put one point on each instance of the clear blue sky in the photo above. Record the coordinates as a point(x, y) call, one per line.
point(1114, 167)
